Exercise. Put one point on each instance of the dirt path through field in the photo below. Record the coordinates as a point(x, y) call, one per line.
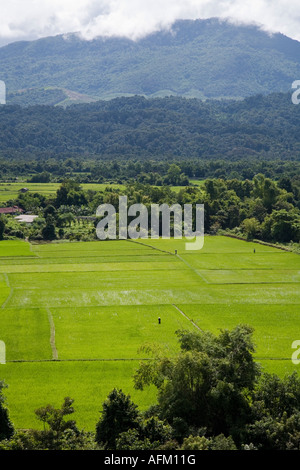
point(189, 319)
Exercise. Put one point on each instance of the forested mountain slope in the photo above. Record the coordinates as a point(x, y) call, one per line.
point(201, 58)
point(265, 127)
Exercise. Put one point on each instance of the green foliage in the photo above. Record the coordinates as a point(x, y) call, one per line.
point(43, 177)
point(119, 415)
point(219, 442)
point(277, 398)
point(48, 232)
point(156, 430)
point(2, 226)
point(122, 426)
point(251, 228)
point(281, 433)
point(49, 211)
point(195, 443)
point(13, 228)
point(54, 417)
point(30, 202)
point(70, 193)
point(6, 426)
point(153, 171)
point(206, 385)
point(215, 386)
point(175, 177)
point(254, 209)
point(261, 128)
point(130, 440)
point(282, 225)
point(266, 190)
point(59, 435)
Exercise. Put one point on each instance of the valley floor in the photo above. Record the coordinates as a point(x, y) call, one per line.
point(74, 315)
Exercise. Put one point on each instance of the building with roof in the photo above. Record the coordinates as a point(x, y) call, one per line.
point(28, 219)
point(11, 210)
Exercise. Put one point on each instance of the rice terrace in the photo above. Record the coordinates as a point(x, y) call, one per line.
point(74, 315)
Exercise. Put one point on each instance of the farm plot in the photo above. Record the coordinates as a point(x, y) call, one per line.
point(35, 384)
point(115, 332)
point(245, 282)
point(74, 315)
point(9, 191)
point(14, 249)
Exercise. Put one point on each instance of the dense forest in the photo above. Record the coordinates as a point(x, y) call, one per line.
point(259, 127)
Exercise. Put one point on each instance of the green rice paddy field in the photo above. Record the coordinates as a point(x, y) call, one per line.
point(73, 315)
point(10, 191)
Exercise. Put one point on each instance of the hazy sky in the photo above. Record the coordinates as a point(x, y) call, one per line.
point(31, 19)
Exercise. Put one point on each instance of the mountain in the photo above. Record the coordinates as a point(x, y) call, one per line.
point(201, 58)
point(258, 127)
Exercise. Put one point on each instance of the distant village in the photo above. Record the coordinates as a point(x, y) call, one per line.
point(18, 212)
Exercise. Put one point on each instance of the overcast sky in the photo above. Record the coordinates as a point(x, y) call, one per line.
point(32, 19)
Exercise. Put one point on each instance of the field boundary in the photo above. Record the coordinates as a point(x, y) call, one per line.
point(52, 335)
point(8, 298)
point(118, 359)
point(7, 280)
point(193, 269)
point(259, 242)
point(36, 255)
point(150, 246)
point(122, 359)
point(189, 319)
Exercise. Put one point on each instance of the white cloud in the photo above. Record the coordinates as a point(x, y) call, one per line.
point(30, 19)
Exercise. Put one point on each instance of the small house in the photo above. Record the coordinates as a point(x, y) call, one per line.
point(11, 210)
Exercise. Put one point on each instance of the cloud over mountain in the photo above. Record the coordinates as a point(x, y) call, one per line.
point(31, 19)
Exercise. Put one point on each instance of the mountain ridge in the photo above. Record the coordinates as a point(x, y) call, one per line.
point(196, 58)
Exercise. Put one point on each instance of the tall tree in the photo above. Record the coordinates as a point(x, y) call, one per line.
point(2, 226)
point(119, 414)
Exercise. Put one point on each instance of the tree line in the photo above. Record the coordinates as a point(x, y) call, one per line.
point(148, 171)
point(259, 208)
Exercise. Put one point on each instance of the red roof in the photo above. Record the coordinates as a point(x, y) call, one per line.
point(10, 210)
